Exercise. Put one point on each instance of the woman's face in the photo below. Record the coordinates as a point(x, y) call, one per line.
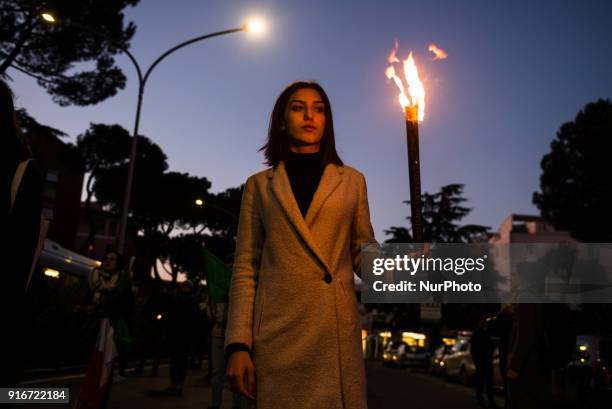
point(305, 120)
point(109, 264)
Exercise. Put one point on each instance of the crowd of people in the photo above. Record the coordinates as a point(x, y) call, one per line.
point(178, 321)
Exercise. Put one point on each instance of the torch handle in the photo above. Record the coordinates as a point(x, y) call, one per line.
point(412, 138)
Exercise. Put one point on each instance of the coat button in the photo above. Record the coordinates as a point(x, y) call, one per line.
point(327, 278)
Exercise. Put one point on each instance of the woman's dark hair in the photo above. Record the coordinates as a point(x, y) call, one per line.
point(277, 145)
point(13, 148)
point(11, 140)
point(121, 260)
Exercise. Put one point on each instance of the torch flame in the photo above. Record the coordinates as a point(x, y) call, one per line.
point(439, 53)
point(415, 86)
point(416, 91)
point(392, 57)
point(402, 98)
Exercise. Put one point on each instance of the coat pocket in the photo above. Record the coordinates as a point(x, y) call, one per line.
point(350, 312)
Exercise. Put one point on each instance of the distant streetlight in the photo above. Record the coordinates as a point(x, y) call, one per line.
point(254, 26)
point(48, 17)
point(199, 202)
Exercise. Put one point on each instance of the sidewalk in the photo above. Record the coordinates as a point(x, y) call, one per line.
point(142, 392)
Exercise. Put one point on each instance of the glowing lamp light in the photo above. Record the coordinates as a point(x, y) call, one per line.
point(158, 317)
point(255, 26)
point(582, 347)
point(414, 335)
point(199, 202)
point(49, 272)
point(48, 17)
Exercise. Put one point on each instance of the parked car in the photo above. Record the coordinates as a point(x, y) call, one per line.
point(411, 356)
point(391, 353)
point(437, 358)
point(401, 355)
point(457, 364)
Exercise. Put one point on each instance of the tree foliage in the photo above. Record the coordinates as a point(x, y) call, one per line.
point(29, 125)
point(219, 214)
point(109, 185)
point(163, 209)
point(176, 204)
point(442, 212)
point(101, 147)
point(73, 58)
point(183, 253)
point(575, 185)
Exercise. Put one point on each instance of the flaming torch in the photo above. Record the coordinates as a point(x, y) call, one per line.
point(413, 105)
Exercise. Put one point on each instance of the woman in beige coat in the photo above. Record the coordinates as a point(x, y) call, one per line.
point(293, 335)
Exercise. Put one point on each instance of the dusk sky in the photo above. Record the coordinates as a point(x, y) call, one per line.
point(515, 72)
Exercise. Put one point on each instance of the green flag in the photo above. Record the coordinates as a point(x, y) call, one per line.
point(218, 277)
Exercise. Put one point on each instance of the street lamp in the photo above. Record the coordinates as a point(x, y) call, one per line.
point(255, 26)
point(48, 17)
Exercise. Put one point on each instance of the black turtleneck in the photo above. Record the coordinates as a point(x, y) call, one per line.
point(304, 171)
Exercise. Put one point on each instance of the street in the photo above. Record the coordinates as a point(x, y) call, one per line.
point(390, 388)
point(387, 388)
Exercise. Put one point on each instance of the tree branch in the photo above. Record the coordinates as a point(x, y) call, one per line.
point(18, 46)
point(28, 73)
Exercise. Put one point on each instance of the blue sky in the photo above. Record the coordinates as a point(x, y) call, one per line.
point(515, 72)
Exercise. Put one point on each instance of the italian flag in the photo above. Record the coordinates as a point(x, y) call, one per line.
point(100, 366)
point(113, 338)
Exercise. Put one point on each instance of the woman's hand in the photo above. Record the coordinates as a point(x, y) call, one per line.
point(239, 365)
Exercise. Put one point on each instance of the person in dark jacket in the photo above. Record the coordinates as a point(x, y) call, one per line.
point(503, 330)
point(153, 328)
point(21, 216)
point(181, 318)
point(529, 382)
point(481, 349)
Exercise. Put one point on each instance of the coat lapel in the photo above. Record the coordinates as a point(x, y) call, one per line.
point(281, 188)
point(331, 178)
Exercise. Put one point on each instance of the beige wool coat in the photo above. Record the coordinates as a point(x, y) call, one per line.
point(304, 333)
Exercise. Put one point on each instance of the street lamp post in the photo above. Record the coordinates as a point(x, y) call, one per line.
point(253, 26)
point(142, 81)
